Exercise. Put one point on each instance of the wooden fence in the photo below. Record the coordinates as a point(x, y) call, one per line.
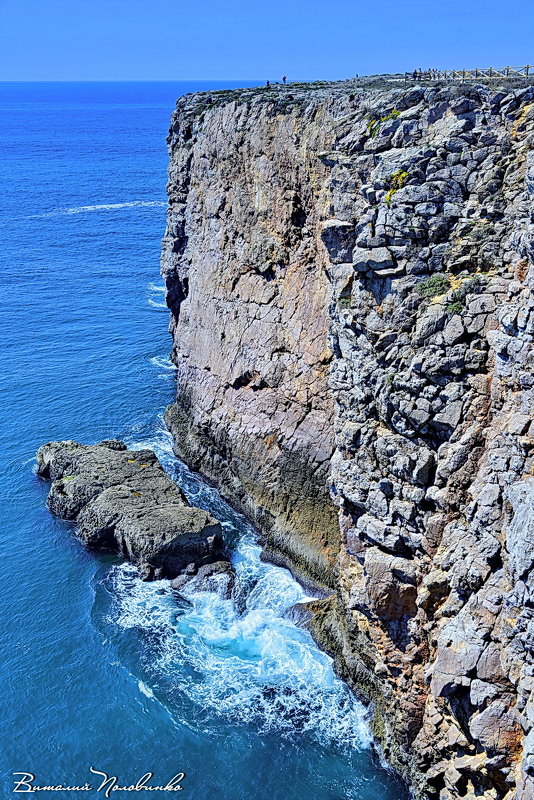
point(470, 74)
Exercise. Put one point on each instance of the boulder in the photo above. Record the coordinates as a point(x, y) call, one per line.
point(375, 258)
point(481, 692)
point(217, 577)
point(124, 502)
point(489, 667)
point(460, 644)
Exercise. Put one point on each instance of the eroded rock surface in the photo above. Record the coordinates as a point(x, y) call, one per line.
point(123, 502)
point(350, 275)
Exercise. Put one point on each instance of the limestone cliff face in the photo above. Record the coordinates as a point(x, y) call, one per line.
point(350, 274)
point(249, 298)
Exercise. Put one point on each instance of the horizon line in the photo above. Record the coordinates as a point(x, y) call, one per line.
point(158, 80)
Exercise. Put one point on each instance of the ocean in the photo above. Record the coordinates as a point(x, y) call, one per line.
point(98, 668)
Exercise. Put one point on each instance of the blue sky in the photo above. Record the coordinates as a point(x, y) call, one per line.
point(256, 39)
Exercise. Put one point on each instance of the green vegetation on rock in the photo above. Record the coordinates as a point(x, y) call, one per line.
point(454, 308)
point(472, 286)
point(396, 182)
point(374, 125)
point(434, 286)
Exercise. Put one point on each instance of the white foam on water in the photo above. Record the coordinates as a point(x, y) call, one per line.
point(114, 206)
point(160, 443)
point(58, 212)
point(146, 690)
point(255, 667)
point(240, 658)
point(155, 304)
point(154, 287)
point(162, 362)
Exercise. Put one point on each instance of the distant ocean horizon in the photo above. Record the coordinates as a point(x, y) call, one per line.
point(98, 668)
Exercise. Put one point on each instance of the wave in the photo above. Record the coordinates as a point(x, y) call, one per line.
point(162, 362)
point(154, 304)
point(255, 667)
point(155, 287)
point(58, 212)
point(146, 690)
point(113, 206)
point(242, 658)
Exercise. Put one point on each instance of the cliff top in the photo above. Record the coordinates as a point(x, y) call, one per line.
point(299, 91)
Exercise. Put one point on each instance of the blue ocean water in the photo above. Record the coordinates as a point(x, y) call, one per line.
point(99, 669)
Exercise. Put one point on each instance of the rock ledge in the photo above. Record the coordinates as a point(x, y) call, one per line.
point(124, 502)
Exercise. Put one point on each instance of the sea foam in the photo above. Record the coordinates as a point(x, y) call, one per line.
point(251, 662)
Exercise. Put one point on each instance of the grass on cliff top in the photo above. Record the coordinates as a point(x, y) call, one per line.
point(225, 94)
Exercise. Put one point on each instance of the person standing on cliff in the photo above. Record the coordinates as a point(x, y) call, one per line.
point(284, 79)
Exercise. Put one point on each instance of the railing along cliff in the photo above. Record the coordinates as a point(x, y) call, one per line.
point(470, 74)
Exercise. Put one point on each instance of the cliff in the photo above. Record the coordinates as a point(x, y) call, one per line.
point(350, 274)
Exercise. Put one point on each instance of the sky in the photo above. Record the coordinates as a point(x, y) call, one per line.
point(257, 39)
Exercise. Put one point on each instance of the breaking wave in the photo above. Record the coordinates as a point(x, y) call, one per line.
point(146, 690)
point(163, 362)
point(255, 666)
point(241, 658)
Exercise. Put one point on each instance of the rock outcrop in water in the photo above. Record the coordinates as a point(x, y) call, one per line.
point(217, 577)
point(123, 502)
point(350, 274)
